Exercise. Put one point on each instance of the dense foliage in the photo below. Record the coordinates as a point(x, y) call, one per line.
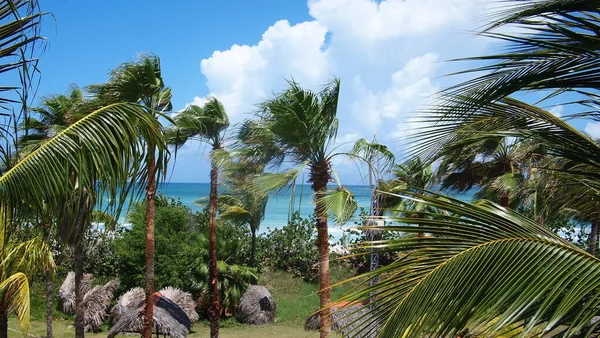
point(291, 248)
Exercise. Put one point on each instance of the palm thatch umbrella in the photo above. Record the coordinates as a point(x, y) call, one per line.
point(168, 319)
point(348, 320)
point(257, 306)
point(127, 301)
point(184, 300)
point(66, 293)
point(95, 304)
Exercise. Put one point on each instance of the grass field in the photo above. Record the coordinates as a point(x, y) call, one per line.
point(295, 300)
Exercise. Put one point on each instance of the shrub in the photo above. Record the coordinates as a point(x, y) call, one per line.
point(291, 248)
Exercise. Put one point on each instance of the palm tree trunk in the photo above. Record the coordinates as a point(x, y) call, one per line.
point(49, 294)
point(594, 238)
point(504, 200)
point(79, 311)
point(213, 310)
point(320, 177)
point(49, 288)
point(3, 323)
point(253, 228)
point(150, 196)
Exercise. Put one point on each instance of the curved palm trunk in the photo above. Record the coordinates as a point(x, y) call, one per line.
point(150, 194)
point(213, 310)
point(320, 177)
point(79, 310)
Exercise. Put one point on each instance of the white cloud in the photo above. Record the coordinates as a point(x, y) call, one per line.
point(243, 75)
point(371, 21)
point(593, 129)
point(557, 110)
point(409, 89)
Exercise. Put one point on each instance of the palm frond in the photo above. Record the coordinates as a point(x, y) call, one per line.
point(104, 149)
point(483, 269)
point(340, 203)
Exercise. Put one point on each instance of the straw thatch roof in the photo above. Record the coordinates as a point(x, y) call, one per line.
point(168, 319)
point(131, 299)
point(257, 306)
point(348, 321)
point(66, 293)
point(127, 301)
point(183, 299)
point(95, 304)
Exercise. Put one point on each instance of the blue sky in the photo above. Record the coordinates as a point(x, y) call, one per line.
point(388, 54)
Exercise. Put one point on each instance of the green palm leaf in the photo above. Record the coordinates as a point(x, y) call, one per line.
point(340, 203)
point(485, 269)
point(104, 149)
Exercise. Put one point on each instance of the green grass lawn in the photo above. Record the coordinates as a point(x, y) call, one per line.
point(295, 300)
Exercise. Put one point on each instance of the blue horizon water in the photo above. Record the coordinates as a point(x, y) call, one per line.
point(278, 207)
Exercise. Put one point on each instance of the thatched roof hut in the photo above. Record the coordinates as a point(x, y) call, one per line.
point(257, 306)
point(66, 293)
point(168, 319)
point(95, 304)
point(131, 299)
point(348, 320)
point(127, 301)
point(183, 299)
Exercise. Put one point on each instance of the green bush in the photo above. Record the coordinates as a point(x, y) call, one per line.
point(177, 246)
point(291, 248)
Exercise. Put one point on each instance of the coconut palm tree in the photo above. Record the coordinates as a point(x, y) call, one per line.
point(54, 115)
point(208, 124)
point(141, 82)
point(101, 149)
point(302, 126)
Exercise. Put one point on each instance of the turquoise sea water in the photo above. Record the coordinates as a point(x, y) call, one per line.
point(278, 207)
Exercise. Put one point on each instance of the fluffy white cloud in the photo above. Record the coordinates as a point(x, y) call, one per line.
point(409, 89)
point(371, 21)
point(593, 129)
point(557, 110)
point(243, 75)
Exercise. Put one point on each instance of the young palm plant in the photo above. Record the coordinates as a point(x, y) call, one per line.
point(208, 124)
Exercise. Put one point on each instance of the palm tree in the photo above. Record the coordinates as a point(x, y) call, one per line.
point(488, 270)
point(141, 82)
point(54, 115)
point(496, 165)
point(242, 204)
point(303, 126)
point(208, 124)
point(102, 150)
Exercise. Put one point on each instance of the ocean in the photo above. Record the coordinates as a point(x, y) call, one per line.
point(278, 207)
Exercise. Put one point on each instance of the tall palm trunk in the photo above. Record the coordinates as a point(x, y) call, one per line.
point(49, 287)
point(150, 194)
point(319, 178)
point(79, 310)
point(213, 310)
point(253, 227)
